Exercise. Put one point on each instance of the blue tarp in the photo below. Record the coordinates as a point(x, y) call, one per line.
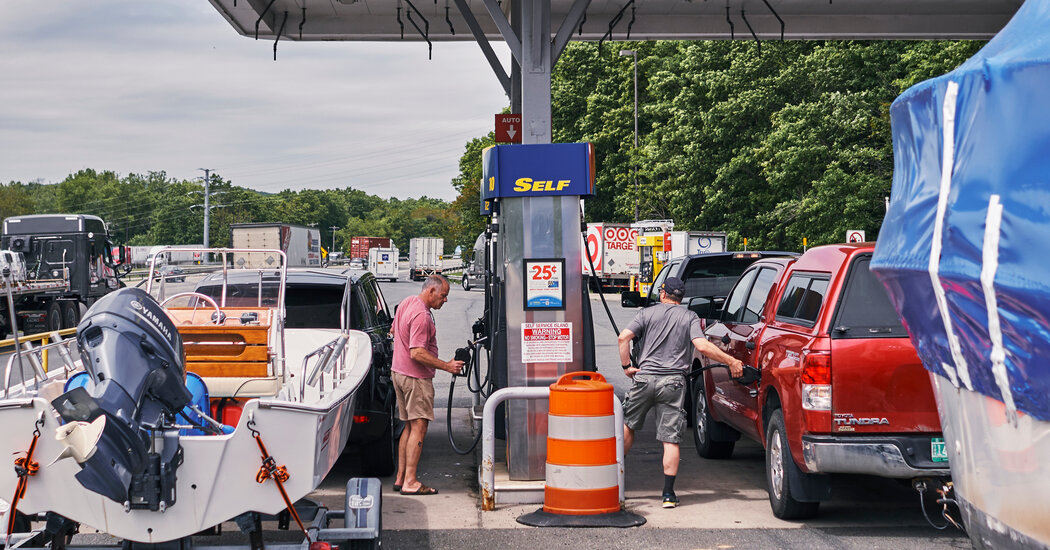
point(1001, 142)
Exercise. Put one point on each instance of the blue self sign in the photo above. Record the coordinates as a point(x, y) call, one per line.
point(536, 170)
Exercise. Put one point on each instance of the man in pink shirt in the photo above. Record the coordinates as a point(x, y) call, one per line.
point(415, 362)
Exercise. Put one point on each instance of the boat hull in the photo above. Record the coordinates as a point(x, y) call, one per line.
point(215, 483)
point(1000, 469)
point(303, 428)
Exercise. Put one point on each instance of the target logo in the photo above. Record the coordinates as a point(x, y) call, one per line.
point(594, 249)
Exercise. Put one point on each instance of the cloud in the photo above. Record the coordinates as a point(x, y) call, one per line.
point(134, 86)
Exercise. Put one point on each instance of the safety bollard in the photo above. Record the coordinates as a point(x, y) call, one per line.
point(581, 447)
point(583, 485)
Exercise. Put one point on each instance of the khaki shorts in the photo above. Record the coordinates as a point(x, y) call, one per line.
point(415, 397)
point(664, 392)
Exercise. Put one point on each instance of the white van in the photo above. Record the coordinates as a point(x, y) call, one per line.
point(382, 262)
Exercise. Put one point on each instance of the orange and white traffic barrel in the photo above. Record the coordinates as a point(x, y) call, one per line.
point(582, 476)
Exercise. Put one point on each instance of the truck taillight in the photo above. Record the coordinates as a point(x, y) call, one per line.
point(816, 368)
point(816, 381)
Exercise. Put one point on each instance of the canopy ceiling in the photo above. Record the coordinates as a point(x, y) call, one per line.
point(377, 20)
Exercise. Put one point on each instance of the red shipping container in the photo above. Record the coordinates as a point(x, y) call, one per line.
point(359, 246)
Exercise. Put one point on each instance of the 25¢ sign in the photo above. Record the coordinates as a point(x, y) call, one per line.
point(544, 280)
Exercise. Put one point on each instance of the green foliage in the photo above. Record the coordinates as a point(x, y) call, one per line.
point(788, 144)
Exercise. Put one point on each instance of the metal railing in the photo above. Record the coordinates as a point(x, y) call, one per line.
point(328, 355)
point(38, 356)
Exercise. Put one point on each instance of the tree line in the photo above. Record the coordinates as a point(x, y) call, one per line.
point(152, 209)
point(773, 142)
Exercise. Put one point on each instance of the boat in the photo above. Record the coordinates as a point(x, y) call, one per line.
point(125, 442)
point(963, 252)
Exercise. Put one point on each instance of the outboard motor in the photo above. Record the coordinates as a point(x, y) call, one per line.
point(122, 430)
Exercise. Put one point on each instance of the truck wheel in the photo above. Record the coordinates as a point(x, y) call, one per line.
point(780, 469)
point(709, 434)
point(466, 284)
point(70, 314)
point(54, 316)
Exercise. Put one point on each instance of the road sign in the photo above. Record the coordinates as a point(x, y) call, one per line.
point(508, 128)
point(855, 236)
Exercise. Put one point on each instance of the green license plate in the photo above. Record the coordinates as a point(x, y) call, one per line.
point(938, 451)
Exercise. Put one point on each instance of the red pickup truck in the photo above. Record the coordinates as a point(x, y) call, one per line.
point(842, 390)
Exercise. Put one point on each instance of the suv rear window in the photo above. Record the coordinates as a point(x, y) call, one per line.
point(865, 310)
point(313, 306)
point(713, 276)
point(803, 298)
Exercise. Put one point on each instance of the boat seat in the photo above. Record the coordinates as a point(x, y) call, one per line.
point(233, 357)
point(238, 347)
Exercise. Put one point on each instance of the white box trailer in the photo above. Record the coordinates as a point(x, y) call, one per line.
point(382, 262)
point(172, 254)
point(424, 257)
point(301, 244)
point(614, 252)
point(684, 243)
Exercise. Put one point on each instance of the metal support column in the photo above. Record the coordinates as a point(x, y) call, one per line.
point(537, 227)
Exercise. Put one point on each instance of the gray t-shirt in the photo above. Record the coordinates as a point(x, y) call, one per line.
point(665, 333)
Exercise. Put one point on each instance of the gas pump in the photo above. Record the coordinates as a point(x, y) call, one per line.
point(537, 321)
point(654, 244)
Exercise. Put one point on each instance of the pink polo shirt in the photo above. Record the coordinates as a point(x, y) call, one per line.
point(413, 328)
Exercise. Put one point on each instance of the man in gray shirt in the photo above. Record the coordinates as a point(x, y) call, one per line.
point(665, 332)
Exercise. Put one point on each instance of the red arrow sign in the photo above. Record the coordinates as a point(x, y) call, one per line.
point(508, 128)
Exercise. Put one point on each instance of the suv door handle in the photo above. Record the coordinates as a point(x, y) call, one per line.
point(750, 345)
point(725, 339)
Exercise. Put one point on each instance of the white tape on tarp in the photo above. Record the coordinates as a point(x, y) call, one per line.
point(947, 166)
point(989, 266)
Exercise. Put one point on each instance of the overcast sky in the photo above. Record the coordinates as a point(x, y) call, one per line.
point(141, 85)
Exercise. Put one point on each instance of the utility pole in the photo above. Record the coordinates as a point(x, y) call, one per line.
point(207, 203)
point(634, 54)
point(333, 228)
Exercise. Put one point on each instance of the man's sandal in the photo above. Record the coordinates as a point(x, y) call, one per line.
point(397, 488)
point(422, 491)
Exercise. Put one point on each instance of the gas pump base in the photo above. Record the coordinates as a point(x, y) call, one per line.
point(623, 518)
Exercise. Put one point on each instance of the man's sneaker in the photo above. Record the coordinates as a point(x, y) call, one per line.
point(670, 500)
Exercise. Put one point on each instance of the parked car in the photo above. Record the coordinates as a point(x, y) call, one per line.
point(842, 390)
point(312, 300)
point(170, 273)
point(357, 263)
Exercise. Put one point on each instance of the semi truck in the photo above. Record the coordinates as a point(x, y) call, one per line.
point(613, 251)
point(359, 246)
point(424, 257)
point(301, 244)
point(382, 262)
point(69, 264)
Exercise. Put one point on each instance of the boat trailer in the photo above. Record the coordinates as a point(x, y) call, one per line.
point(357, 526)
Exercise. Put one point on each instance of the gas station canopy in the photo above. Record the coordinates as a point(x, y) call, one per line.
point(443, 20)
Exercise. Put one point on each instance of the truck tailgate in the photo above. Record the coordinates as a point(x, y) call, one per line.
point(880, 386)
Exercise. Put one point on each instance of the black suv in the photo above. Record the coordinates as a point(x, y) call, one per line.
point(312, 300)
point(708, 279)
